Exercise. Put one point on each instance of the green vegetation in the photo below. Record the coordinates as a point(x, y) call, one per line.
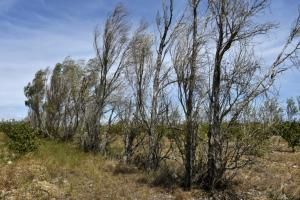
point(61, 170)
point(22, 137)
point(290, 131)
point(121, 103)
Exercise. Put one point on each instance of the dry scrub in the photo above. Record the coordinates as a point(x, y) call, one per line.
point(61, 171)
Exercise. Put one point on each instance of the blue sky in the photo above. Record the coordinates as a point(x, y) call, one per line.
point(35, 34)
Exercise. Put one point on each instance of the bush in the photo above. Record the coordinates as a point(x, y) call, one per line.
point(290, 131)
point(164, 177)
point(22, 137)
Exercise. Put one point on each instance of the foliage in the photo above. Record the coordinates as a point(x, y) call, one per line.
point(291, 109)
point(22, 137)
point(290, 131)
point(210, 119)
point(34, 93)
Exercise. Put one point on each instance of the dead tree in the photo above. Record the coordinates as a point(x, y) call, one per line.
point(125, 113)
point(167, 32)
point(139, 71)
point(106, 69)
point(185, 56)
point(237, 77)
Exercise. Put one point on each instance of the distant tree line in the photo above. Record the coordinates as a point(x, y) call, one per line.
point(286, 120)
point(188, 92)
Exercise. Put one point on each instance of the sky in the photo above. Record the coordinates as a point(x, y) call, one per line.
point(35, 34)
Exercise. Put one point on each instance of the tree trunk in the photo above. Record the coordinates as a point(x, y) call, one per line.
point(93, 140)
point(190, 143)
point(104, 142)
point(153, 162)
point(153, 157)
point(128, 142)
point(214, 164)
point(90, 141)
point(189, 154)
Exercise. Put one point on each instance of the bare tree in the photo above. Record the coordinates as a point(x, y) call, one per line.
point(167, 32)
point(105, 69)
point(125, 112)
point(185, 56)
point(214, 69)
point(138, 74)
point(291, 109)
point(237, 77)
point(271, 113)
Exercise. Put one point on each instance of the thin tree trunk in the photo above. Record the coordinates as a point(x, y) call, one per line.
point(153, 158)
point(128, 140)
point(190, 129)
point(189, 155)
point(214, 163)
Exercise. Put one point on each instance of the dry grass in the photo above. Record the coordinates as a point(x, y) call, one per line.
point(276, 175)
point(61, 171)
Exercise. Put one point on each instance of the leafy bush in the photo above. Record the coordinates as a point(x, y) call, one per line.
point(22, 137)
point(290, 131)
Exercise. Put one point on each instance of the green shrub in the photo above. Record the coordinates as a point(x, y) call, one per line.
point(22, 137)
point(290, 131)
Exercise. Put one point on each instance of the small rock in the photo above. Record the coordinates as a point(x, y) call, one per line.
point(9, 162)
